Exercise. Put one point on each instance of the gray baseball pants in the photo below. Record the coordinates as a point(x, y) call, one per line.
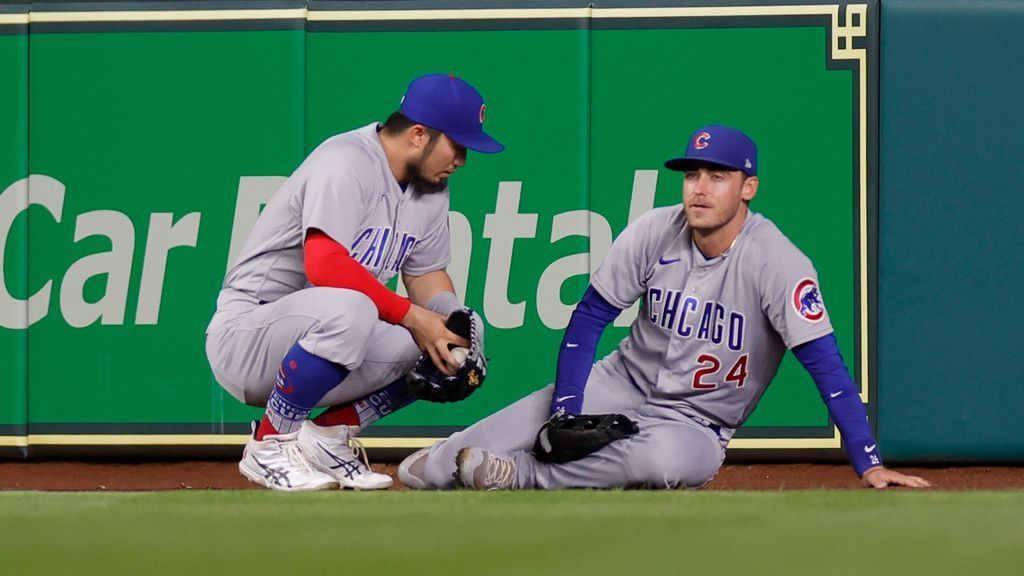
point(247, 341)
point(670, 451)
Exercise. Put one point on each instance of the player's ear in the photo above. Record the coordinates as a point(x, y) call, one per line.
point(418, 136)
point(749, 188)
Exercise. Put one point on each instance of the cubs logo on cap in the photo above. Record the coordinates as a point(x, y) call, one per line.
point(807, 300)
point(719, 146)
point(450, 104)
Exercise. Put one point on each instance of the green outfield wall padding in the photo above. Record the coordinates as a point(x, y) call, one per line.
point(952, 212)
point(153, 155)
point(13, 233)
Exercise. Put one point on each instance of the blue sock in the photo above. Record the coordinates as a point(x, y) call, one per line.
point(369, 408)
point(379, 404)
point(302, 381)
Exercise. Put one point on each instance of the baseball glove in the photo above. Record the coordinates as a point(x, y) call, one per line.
point(568, 438)
point(427, 382)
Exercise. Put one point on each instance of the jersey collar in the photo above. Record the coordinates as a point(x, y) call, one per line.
point(699, 260)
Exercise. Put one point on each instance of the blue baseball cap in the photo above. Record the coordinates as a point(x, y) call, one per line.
point(719, 145)
point(449, 104)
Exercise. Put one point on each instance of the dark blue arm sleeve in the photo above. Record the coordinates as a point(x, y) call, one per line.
point(579, 346)
point(822, 360)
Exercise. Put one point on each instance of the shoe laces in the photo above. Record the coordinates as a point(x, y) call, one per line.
point(359, 451)
point(296, 456)
point(500, 471)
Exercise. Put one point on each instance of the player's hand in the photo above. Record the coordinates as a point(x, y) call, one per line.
point(433, 338)
point(881, 477)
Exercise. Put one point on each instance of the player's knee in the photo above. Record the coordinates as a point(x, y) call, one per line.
point(352, 314)
point(345, 320)
point(358, 311)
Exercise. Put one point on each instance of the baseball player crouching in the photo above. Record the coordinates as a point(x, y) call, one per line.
point(724, 294)
point(304, 319)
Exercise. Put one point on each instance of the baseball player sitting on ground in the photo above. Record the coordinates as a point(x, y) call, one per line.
point(724, 295)
point(304, 319)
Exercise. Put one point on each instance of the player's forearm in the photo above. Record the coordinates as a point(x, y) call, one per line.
point(822, 360)
point(852, 420)
point(433, 290)
point(578, 349)
point(328, 263)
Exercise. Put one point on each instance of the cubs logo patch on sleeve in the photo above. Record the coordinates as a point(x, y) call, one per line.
point(807, 300)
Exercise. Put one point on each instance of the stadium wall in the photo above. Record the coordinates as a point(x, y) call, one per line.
point(147, 136)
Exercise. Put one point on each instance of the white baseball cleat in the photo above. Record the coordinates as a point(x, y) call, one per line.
point(480, 469)
point(334, 451)
point(411, 470)
point(279, 462)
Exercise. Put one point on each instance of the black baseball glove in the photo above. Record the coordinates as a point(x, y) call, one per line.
point(428, 382)
point(567, 438)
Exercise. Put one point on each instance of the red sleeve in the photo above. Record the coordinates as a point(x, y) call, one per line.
point(329, 264)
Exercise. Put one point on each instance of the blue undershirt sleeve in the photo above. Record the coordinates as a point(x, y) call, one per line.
point(578, 349)
point(821, 358)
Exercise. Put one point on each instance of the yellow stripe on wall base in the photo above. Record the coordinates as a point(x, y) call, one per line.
point(137, 439)
point(240, 439)
point(784, 443)
point(14, 18)
point(15, 441)
point(178, 440)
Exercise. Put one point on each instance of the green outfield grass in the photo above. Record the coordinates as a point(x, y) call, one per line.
point(188, 533)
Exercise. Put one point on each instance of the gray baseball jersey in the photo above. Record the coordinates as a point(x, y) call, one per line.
point(706, 344)
point(711, 332)
point(346, 189)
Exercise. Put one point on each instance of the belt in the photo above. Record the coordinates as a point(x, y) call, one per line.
point(707, 424)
